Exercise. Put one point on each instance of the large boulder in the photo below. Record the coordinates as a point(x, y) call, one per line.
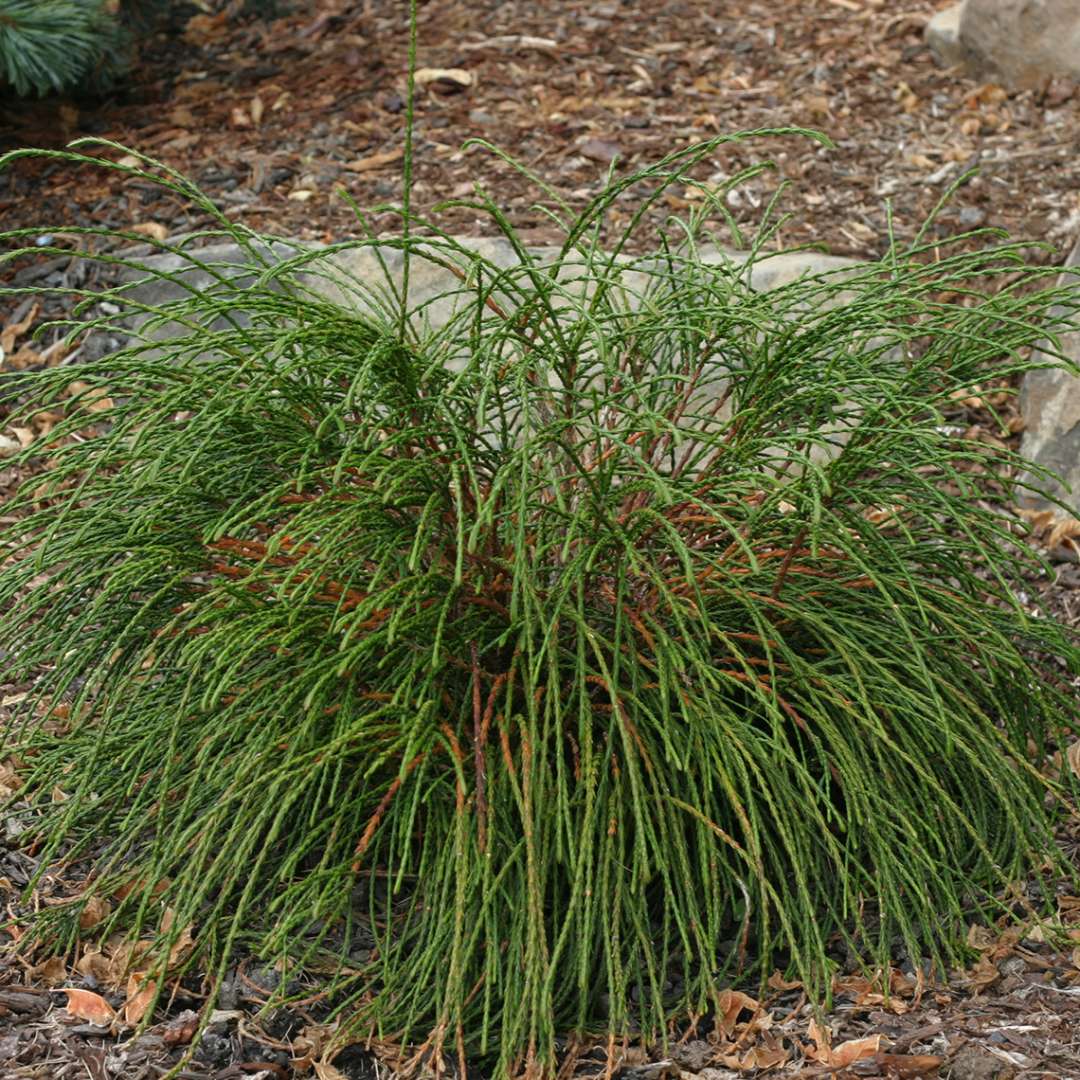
point(442, 284)
point(943, 36)
point(442, 279)
point(442, 287)
point(1018, 43)
point(1050, 403)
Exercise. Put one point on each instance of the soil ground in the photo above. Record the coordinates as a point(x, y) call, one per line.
point(274, 117)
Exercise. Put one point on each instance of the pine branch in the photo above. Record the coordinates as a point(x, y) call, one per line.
point(50, 46)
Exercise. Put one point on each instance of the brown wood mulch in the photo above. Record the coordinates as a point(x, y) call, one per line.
point(273, 118)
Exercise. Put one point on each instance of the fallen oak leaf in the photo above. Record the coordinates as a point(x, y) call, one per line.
point(778, 982)
point(821, 1038)
point(1072, 755)
point(94, 964)
point(847, 1053)
point(88, 1006)
point(10, 333)
point(203, 28)
point(844, 1055)
point(729, 1003)
point(95, 911)
point(182, 1029)
point(1067, 529)
point(9, 780)
point(93, 398)
point(1040, 520)
point(125, 956)
point(154, 229)
point(181, 947)
point(51, 972)
point(907, 1065)
point(138, 885)
point(141, 992)
point(757, 1057)
point(981, 976)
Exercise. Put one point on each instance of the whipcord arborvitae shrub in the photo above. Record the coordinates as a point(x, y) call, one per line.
point(581, 656)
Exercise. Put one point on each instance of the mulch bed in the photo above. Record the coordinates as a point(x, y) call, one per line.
point(273, 118)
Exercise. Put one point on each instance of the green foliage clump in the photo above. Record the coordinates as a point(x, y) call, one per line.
point(49, 46)
point(57, 46)
point(622, 637)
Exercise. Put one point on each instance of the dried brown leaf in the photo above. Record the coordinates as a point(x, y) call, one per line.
point(847, 1053)
point(88, 1006)
point(95, 965)
point(9, 780)
point(983, 975)
point(729, 1004)
point(94, 398)
point(140, 994)
point(9, 334)
point(125, 890)
point(154, 229)
point(778, 982)
point(907, 1065)
point(757, 1057)
point(1073, 757)
point(181, 948)
point(1040, 520)
point(51, 972)
point(182, 116)
point(1066, 529)
point(182, 1029)
point(96, 910)
point(202, 29)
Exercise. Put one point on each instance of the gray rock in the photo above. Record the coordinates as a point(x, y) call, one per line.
point(443, 279)
point(443, 286)
point(975, 1063)
point(943, 36)
point(693, 1055)
point(971, 217)
point(1018, 43)
point(1050, 404)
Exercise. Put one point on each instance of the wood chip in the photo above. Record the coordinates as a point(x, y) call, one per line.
point(376, 161)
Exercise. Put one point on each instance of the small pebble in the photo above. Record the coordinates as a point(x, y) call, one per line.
point(1013, 965)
